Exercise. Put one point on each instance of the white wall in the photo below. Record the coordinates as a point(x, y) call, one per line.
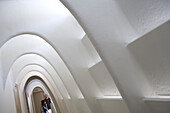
point(45, 40)
point(7, 98)
point(152, 53)
point(111, 25)
point(42, 38)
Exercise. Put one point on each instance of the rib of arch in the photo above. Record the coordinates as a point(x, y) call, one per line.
point(31, 58)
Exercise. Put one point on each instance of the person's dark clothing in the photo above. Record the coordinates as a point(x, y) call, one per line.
point(44, 108)
point(48, 102)
point(43, 102)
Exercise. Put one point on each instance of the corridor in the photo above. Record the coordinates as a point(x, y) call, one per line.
point(88, 56)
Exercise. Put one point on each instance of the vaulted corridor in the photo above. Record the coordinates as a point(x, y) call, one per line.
point(89, 56)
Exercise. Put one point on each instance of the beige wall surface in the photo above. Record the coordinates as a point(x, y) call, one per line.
point(37, 98)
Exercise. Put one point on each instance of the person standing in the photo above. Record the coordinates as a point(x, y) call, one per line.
point(48, 102)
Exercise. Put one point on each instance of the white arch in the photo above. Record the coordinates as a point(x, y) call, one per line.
point(51, 88)
point(133, 22)
point(34, 62)
point(60, 89)
point(66, 75)
point(35, 44)
point(31, 86)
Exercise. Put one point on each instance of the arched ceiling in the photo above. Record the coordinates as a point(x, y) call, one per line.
point(119, 23)
point(32, 44)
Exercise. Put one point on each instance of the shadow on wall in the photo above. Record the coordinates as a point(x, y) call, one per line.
point(152, 54)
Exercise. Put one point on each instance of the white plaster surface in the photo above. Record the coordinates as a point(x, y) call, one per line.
point(111, 25)
point(47, 41)
point(111, 105)
point(50, 26)
point(103, 79)
point(152, 53)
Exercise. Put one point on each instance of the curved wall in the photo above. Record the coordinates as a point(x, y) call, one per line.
point(114, 26)
point(45, 40)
